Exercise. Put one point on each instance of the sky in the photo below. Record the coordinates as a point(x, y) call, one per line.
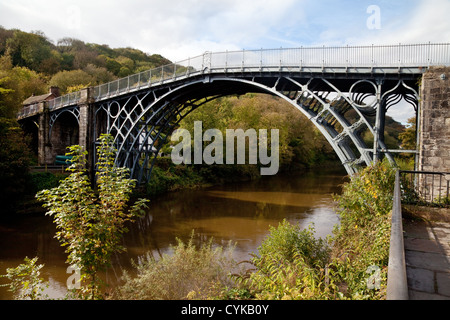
point(179, 29)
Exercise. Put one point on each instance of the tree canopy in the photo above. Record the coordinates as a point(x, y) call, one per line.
point(71, 62)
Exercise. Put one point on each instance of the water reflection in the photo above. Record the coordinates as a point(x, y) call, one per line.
point(241, 212)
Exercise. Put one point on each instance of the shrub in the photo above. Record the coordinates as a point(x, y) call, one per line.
point(25, 280)
point(45, 180)
point(288, 240)
point(361, 241)
point(191, 272)
point(91, 223)
point(290, 265)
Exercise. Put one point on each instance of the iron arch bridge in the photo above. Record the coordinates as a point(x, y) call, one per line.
point(344, 91)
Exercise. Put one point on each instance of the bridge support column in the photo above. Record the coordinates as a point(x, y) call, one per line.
point(44, 145)
point(434, 121)
point(379, 125)
point(85, 126)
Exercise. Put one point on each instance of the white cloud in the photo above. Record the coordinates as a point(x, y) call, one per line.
point(174, 28)
point(178, 29)
point(424, 22)
point(194, 27)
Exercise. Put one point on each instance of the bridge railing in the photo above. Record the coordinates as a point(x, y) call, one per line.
point(397, 283)
point(411, 187)
point(295, 59)
point(29, 110)
point(65, 100)
point(426, 188)
point(388, 56)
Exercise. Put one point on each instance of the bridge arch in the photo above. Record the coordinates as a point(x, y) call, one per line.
point(64, 130)
point(345, 91)
point(147, 118)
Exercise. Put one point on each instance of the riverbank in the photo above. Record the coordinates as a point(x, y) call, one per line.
point(292, 262)
point(240, 212)
point(167, 176)
point(248, 214)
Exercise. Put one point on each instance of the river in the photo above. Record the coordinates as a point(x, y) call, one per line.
point(241, 212)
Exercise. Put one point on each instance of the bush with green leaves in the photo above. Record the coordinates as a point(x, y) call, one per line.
point(291, 264)
point(25, 281)
point(361, 241)
point(90, 223)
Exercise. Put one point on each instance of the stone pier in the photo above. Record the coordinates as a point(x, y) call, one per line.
point(434, 127)
point(70, 128)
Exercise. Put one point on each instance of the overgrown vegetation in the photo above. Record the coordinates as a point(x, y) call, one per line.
point(190, 272)
point(25, 281)
point(361, 240)
point(91, 222)
point(292, 263)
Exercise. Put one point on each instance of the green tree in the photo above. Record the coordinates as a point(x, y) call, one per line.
point(190, 272)
point(4, 36)
point(65, 79)
point(17, 84)
point(15, 158)
point(111, 64)
point(408, 136)
point(91, 223)
point(99, 74)
point(32, 50)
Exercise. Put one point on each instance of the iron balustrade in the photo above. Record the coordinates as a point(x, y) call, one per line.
point(65, 100)
point(425, 187)
point(29, 110)
point(386, 58)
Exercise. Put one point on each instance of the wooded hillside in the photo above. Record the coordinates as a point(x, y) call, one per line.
point(30, 63)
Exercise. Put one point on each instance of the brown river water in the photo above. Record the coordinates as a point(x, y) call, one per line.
point(241, 212)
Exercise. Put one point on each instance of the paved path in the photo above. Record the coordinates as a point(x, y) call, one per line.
point(427, 254)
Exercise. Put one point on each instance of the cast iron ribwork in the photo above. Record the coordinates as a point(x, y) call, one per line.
point(349, 114)
point(344, 91)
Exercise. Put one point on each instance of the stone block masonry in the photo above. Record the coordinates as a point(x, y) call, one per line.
point(434, 124)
